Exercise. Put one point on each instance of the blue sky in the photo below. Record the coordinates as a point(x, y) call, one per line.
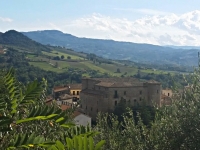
point(162, 22)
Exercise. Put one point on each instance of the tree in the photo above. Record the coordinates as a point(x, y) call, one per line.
point(173, 127)
point(56, 58)
point(62, 57)
point(56, 65)
point(26, 122)
point(118, 70)
point(68, 57)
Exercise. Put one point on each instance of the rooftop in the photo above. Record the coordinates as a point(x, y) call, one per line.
point(65, 97)
point(65, 107)
point(120, 82)
point(60, 88)
point(75, 86)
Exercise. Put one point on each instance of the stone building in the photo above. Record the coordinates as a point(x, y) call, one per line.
point(166, 97)
point(66, 93)
point(75, 90)
point(167, 92)
point(103, 94)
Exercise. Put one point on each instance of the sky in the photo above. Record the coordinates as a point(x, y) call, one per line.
point(159, 22)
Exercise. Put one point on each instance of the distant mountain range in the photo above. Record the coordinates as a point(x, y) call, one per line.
point(17, 39)
point(143, 53)
point(184, 47)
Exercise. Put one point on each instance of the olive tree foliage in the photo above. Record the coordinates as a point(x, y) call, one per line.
point(175, 127)
point(27, 123)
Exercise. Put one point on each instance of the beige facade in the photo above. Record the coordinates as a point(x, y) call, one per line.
point(103, 94)
point(167, 92)
point(75, 90)
point(166, 97)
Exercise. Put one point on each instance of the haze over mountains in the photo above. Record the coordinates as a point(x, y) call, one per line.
point(143, 53)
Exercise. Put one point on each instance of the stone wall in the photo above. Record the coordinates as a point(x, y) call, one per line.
point(96, 98)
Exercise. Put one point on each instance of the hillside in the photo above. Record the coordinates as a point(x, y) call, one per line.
point(17, 39)
point(142, 53)
point(60, 65)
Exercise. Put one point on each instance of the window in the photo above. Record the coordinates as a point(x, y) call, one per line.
point(140, 92)
point(116, 95)
point(115, 92)
point(157, 91)
point(97, 110)
point(115, 103)
point(77, 92)
point(99, 88)
point(91, 108)
point(97, 102)
point(168, 94)
point(140, 98)
point(73, 92)
point(134, 100)
point(86, 107)
point(124, 92)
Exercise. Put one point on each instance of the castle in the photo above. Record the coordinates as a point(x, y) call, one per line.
point(103, 94)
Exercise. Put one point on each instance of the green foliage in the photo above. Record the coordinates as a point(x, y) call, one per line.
point(26, 122)
point(62, 57)
point(78, 143)
point(174, 127)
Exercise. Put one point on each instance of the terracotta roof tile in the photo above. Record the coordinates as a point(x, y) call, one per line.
point(60, 88)
point(76, 113)
point(75, 86)
point(120, 82)
point(65, 107)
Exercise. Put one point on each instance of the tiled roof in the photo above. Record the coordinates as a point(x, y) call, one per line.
point(65, 107)
point(66, 96)
point(76, 113)
point(120, 82)
point(75, 86)
point(60, 88)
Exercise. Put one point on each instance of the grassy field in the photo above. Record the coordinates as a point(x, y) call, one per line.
point(77, 61)
point(46, 66)
point(56, 53)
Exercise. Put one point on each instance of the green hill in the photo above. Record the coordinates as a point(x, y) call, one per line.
point(17, 39)
point(142, 53)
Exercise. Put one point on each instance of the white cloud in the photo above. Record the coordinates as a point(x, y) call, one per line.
point(3, 19)
point(168, 29)
point(143, 11)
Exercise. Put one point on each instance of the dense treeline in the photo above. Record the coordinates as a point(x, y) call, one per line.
point(167, 80)
point(174, 127)
point(27, 73)
point(164, 128)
